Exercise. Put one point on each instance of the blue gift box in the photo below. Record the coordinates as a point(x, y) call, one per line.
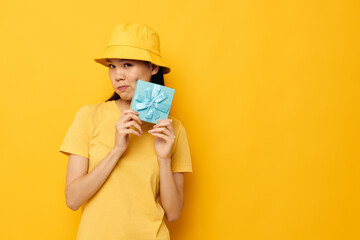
point(152, 101)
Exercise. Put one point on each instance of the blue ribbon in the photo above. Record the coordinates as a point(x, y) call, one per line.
point(152, 102)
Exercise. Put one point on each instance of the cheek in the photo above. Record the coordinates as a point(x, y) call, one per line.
point(111, 75)
point(145, 77)
point(133, 84)
point(144, 74)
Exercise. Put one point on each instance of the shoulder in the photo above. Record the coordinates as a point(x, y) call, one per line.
point(177, 125)
point(95, 111)
point(95, 108)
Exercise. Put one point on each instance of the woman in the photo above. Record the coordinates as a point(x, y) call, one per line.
point(126, 174)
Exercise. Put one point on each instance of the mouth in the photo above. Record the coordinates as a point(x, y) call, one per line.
point(123, 87)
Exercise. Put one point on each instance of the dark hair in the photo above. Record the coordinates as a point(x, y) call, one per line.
point(157, 78)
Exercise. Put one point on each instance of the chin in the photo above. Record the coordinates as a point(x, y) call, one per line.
point(125, 98)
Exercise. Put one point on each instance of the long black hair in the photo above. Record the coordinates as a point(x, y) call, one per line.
point(157, 78)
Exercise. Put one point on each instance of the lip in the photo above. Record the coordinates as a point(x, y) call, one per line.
point(122, 87)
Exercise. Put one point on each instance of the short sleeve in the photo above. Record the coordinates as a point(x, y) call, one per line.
point(181, 158)
point(77, 138)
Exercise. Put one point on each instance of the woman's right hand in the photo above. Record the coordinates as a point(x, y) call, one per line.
point(127, 119)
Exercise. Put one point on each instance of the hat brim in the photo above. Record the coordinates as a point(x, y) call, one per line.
point(126, 52)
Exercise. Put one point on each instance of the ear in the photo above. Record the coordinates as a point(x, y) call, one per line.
point(154, 69)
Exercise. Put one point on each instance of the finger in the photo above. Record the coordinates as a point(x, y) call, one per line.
point(136, 118)
point(128, 131)
point(162, 136)
point(130, 117)
point(164, 123)
point(170, 137)
point(127, 111)
point(168, 127)
point(121, 127)
point(161, 130)
point(133, 124)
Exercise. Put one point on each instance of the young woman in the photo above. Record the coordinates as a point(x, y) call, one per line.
point(126, 174)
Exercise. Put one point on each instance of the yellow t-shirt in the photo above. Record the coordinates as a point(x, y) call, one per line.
point(127, 204)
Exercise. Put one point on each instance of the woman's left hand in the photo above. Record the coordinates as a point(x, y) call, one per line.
point(164, 138)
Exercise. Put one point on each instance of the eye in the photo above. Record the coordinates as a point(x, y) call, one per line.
point(127, 64)
point(110, 65)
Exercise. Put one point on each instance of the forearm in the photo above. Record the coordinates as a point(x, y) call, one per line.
point(169, 195)
point(84, 187)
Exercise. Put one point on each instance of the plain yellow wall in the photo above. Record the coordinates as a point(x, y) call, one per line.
point(267, 90)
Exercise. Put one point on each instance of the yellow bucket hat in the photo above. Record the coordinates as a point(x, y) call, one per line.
point(134, 41)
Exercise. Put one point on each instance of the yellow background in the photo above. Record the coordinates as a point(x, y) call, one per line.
point(267, 90)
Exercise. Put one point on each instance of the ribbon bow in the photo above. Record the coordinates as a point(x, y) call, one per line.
point(152, 102)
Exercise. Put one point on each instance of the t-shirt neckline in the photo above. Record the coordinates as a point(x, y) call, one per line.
point(116, 107)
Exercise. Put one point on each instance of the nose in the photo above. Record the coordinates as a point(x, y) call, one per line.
point(119, 75)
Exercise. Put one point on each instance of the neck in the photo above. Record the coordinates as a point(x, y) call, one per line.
point(123, 104)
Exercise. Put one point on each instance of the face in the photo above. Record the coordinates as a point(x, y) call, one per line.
point(124, 73)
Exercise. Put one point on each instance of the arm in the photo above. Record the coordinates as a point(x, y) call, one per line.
point(171, 184)
point(81, 185)
point(171, 191)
